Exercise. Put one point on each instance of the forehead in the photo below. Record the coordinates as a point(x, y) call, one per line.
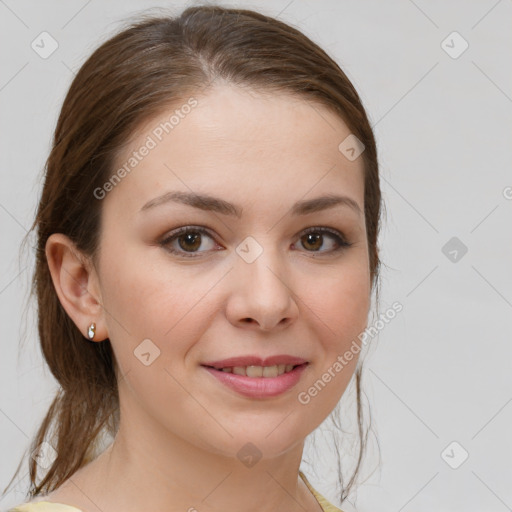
point(239, 143)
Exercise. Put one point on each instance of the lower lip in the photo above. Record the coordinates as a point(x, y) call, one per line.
point(259, 387)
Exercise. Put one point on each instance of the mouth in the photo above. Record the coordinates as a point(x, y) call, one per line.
point(258, 381)
point(258, 371)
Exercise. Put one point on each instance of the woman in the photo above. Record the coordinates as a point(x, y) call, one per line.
point(207, 251)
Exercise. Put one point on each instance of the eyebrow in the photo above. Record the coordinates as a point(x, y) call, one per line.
point(215, 204)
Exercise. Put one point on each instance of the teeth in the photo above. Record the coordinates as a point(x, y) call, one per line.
point(260, 371)
point(256, 371)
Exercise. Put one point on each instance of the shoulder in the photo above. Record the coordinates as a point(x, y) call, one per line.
point(326, 505)
point(44, 506)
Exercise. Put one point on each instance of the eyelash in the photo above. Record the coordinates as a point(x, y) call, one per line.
point(339, 238)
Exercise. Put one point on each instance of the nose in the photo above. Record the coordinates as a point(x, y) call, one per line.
point(262, 295)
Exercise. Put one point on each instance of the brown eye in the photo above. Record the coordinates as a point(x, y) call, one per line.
point(187, 241)
point(312, 241)
point(315, 238)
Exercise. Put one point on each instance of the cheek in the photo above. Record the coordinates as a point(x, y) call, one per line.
point(349, 305)
point(341, 302)
point(341, 313)
point(166, 308)
point(147, 301)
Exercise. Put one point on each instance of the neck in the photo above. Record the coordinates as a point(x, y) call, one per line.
point(144, 469)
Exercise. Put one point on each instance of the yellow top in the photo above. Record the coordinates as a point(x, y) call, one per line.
point(49, 506)
point(326, 505)
point(44, 506)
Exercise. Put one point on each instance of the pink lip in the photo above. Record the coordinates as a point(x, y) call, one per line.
point(255, 361)
point(259, 387)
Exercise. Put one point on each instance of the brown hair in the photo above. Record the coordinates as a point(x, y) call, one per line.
point(153, 63)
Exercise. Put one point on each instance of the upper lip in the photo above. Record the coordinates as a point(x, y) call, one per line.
point(255, 361)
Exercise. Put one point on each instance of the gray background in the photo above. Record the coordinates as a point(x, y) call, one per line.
point(440, 371)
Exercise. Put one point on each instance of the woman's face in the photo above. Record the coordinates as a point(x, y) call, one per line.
point(246, 281)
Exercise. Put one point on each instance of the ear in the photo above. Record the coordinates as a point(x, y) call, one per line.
point(76, 283)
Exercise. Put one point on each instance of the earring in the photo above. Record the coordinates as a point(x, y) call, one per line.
point(91, 331)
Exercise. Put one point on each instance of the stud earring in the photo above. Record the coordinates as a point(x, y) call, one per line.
point(91, 331)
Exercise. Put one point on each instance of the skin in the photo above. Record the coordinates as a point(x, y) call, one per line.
point(180, 428)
